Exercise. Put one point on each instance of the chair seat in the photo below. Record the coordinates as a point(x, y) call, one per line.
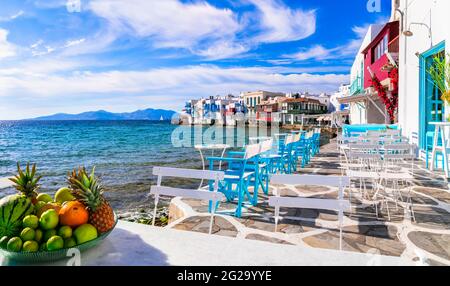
point(363, 174)
point(271, 156)
point(233, 176)
point(396, 176)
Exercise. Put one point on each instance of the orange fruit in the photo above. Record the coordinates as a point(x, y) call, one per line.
point(73, 214)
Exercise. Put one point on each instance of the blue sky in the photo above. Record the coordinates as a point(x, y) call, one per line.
point(123, 55)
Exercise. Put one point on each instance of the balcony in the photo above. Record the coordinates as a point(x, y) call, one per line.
point(356, 86)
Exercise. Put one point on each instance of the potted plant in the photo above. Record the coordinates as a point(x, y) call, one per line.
point(440, 74)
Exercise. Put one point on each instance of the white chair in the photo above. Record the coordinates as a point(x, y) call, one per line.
point(212, 196)
point(398, 170)
point(340, 205)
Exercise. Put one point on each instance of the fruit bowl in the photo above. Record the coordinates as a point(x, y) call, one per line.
point(50, 256)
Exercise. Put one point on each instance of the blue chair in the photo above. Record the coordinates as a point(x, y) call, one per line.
point(429, 148)
point(241, 172)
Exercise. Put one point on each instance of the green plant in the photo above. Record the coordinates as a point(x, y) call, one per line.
point(440, 73)
point(26, 182)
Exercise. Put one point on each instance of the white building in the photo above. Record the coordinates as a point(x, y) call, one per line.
point(425, 33)
point(362, 111)
point(344, 91)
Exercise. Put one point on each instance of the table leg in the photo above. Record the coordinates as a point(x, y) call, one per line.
point(444, 152)
point(435, 145)
point(203, 164)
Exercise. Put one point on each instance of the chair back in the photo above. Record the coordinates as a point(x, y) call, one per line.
point(252, 151)
point(266, 146)
point(340, 204)
point(214, 196)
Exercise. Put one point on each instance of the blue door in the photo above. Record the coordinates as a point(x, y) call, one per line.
point(431, 105)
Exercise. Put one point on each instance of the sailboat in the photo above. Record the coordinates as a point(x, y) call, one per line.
point(162, 118)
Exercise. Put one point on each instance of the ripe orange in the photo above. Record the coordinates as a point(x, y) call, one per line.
point(73, 214)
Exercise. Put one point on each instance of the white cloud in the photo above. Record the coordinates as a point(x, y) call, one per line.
point(185, 81)
point(222, 50)
point(279, 23)
point(317, 52)
point(348, 50)
point(74, 43)
point(12, 17)
point(6, 48)
point(197, 26)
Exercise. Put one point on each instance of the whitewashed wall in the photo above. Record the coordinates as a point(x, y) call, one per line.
point(434, 13)
point(358, 114)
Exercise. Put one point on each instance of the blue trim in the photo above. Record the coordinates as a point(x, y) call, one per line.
point(422, 92)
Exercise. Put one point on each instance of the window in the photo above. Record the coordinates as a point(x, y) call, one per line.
point(259, 100)
point(381, 48)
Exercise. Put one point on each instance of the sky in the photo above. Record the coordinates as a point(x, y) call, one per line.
point(123, 55)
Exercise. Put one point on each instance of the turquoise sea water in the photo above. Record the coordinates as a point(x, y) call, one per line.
point(123, 152)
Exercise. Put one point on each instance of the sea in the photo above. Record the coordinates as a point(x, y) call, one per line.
point(123, 153)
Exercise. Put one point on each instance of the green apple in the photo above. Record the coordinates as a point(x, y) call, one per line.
point(27, 234)
point(49, 220)
point(4, 242)
point(38, 235)
point(46, 198)
point(55, 243)
point(70, 242)
point(15, 244)
point(85, 233)
point(65, 232)
point(30, 246)
point(31, 221)
point(63, 195)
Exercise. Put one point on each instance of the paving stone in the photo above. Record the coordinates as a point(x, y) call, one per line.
point(201, 224)
point(358, 238)
point(432, 217)
point(438, 244)
point(361, 239)
point(260, 237)
point(441, 195)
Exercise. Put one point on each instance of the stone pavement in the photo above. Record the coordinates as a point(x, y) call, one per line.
point(425, 241)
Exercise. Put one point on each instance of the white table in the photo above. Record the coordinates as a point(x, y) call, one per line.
point(440, 129)
point(132, 244)
point(212, 147)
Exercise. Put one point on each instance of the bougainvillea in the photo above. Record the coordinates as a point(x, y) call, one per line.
point(391, 102)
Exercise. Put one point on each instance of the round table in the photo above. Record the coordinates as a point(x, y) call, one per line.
point(212, 147)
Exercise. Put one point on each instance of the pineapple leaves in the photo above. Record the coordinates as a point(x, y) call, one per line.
point(26, 182)
point(86, 188)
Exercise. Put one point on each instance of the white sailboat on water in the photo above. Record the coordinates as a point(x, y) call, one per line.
point(162, 118)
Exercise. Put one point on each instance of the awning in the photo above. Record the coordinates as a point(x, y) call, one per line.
point(352, 99)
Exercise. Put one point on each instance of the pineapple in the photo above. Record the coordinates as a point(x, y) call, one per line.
point(27, 182)
point(89, 191)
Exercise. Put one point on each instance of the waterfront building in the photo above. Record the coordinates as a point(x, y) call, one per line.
point(255, 98)
point(293, 109)
point(362, 104)
point(344, 91)
point(424, 34)
point(219, 110)
point(269, 111)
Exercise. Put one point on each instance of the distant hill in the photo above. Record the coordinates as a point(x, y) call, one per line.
point(147, 114)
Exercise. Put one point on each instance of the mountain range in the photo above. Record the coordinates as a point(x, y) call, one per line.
point(147, 114)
